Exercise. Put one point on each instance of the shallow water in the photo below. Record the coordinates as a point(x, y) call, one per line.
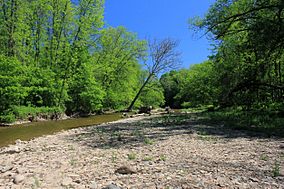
point(28, 131)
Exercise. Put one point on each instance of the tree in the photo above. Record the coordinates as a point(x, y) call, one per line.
point(116, 60)
point(171, 82)
point(199, 87)
point(163, 57)
point(249, 50)
point(152, 95)
point(12, 76)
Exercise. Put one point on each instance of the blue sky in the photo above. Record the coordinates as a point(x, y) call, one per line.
point(161, 19)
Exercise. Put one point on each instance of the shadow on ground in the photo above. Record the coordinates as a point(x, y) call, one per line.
point(151, 130)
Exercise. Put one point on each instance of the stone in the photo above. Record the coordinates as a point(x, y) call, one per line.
point(124, 170)
point(13, 150)
point(281, 172)
point(18, 179)
point(254, 179)
point(4, 169)
point(145, 109)
point(18, 141)
point(93, 185)
point(66, 181)
point(111, 186)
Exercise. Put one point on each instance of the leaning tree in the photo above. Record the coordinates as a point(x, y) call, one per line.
point(163, 57)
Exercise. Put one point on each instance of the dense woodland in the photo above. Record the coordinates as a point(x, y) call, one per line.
point(57, 56)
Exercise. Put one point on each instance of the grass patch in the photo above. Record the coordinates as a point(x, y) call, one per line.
point(263, 157)
point(113, 157)
point(276, 169)
point(266, 122)
point(148, 141)
point(131, 156)
point(73, 162)
point(36, 183)
point(163, 157)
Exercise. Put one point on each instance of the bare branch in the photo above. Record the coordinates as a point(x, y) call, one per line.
point(163, 56)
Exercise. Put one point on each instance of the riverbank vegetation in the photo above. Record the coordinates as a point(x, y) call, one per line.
point(243, 79)
point(58, 56)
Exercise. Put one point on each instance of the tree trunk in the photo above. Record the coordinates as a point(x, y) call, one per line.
point(139, 92)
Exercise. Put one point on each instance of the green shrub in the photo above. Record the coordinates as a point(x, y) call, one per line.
point(131, 156)
point(8, 117)
point(24, 112)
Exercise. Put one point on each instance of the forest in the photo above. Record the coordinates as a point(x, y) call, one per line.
point(84, 104)
point(59, 56)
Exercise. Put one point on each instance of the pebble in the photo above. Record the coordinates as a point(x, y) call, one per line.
point(66, 181)
point(111, 186)
point(93, 185)
point(254, 179)
point(125, 170)
point(13, 150)
point(18, 179)
point(6, 168)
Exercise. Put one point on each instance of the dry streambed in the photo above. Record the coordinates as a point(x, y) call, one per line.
point(159, 153)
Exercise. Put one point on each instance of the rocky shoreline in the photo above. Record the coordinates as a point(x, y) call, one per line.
point(158, 154)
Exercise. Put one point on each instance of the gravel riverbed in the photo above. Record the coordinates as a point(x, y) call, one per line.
point(160, 154)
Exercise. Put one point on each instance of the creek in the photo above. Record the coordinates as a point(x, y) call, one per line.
point(28, 131)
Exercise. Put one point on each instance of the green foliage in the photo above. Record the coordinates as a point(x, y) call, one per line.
point(163, 157)
point(198, 88)
point(193, 87)
point(12, 91)
point(131, 156)
point(85, 94)
point(247, 66)
point(263, 157)
point(171, 85)
point(42, 87)
point(7, 117)
point(266, 122)
point(58, 54)
point(152, 95)
point(22, 112)
point(117, 69)
point(276, 169)
point(148, 141)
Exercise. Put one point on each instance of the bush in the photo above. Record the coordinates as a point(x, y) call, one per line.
point(24, 112)
point(12, 74)
point(7, 117)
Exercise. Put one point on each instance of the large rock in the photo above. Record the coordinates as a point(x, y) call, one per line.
point(145, 109)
